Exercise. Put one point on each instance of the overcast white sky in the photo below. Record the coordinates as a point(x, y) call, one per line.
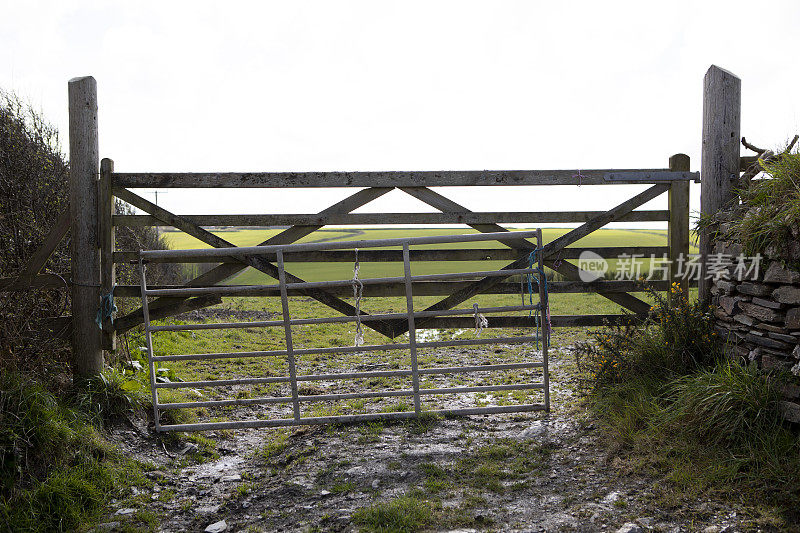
point(269, 86)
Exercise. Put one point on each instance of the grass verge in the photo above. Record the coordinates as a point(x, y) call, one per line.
point(57, 471)
point(676, 407)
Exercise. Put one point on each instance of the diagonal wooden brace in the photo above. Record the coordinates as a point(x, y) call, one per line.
point(258, 263)
point(43, 253)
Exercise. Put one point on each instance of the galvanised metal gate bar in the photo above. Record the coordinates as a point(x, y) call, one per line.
point(296, 399)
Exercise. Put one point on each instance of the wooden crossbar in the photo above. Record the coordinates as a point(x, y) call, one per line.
point(437, 288)
point(450, 178)
point(359, 219)
point(423, 254)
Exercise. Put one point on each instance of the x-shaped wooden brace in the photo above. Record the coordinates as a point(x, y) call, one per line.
point(394, 328)
point(569, 270)
point(227, 270)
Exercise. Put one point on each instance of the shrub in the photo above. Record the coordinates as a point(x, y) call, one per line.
point(664, 392)
point(676, 338)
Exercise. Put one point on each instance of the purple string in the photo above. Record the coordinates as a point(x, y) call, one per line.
point(580, 178)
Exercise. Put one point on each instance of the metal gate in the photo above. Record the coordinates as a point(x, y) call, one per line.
point(533, 274)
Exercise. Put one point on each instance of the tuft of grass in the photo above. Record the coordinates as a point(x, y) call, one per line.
point(404, 514)
point(109, 397)
point(436, 477)
point(275, 447)
point(731, 403)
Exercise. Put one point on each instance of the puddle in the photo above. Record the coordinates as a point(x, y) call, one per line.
point(430, 335)
point(216, 469)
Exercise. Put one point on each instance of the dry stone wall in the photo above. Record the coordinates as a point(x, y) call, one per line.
point(761, 319)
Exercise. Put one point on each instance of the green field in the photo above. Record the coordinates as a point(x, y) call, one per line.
point(332, 271)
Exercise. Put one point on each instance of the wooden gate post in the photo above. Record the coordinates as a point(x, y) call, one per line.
point(85, 251)
point(719, 168)
point(105, 216)
point(678, 229)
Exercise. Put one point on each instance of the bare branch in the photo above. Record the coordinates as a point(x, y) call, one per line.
point(752, 147)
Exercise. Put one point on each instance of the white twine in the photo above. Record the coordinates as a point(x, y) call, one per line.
point(480, 321)
point(358, 290)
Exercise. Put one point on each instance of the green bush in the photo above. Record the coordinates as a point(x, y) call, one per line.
point(677, 338)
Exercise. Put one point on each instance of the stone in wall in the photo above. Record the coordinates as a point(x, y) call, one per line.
point(777, 273)
point(787, 294)
point(793, 318)
point(753, 289)
point(762, 313)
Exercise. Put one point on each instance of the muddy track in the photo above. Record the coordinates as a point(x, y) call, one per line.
point(315, 479)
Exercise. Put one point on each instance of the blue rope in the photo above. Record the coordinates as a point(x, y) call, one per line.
point(107, 308)
point(541, 279)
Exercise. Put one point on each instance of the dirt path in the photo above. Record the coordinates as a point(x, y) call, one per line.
point(537, 472)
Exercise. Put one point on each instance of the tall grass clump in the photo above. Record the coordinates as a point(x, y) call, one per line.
point(56, 471)
point(731, 403)
point(110, 397)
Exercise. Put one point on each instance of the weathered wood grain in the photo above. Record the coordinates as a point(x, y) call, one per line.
point(719, 167)
point(85, 252)
point(678, 227)
point(105, 208)
point(424, 254)
point(449, 178)
point(442, 288)
point(357, 219)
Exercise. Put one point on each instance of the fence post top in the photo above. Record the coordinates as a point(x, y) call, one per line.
point(714, 69)
point(82, 79)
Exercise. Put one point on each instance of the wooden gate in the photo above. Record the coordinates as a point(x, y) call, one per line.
point(557, 254)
